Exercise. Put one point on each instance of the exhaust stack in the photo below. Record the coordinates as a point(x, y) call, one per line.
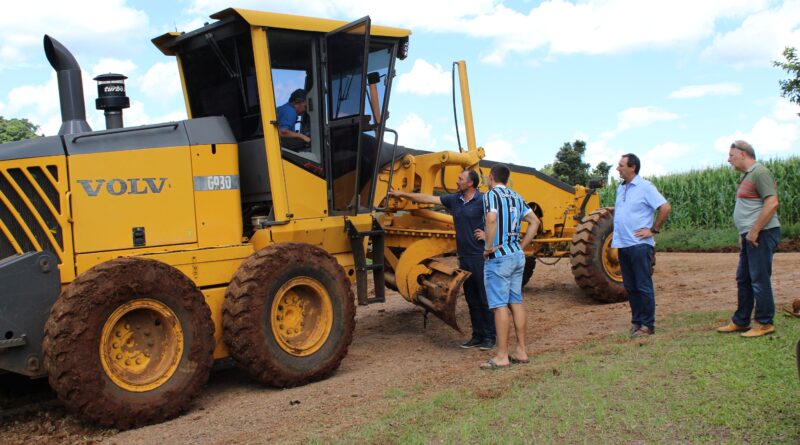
point(70, 87)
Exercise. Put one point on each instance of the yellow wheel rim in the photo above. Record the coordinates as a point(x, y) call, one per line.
point(301, 316)
point(611, 261)
point(141, 345)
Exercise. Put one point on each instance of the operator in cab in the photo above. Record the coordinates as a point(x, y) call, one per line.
point(287, 115)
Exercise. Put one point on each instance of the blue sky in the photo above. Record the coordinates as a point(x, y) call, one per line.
point(672, 81)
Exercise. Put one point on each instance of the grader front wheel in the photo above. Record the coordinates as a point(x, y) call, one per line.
point(289, 314)
point(595, 263)
point(129, 343)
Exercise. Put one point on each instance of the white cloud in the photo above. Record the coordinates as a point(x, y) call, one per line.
point(775, 135)
point(178, 115)
point(413, 132)
point(449, 138)
point(580, 135)
point(603, 150)
point(135, 115)
point(431, 15)
point(785, 110)
point(162, 81)
point(600, 151)
point(39, 99)
point(664, 158)
point(759, 39)
point(695, 91)
point(39, 102)
point(501, 150)
point(191, 24)
point(98, 25)
point(602, 26)
point(425, 79)
point(556, 26)
point(116, 66)
point(638, 117)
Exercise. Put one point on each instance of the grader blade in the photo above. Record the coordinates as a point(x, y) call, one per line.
point(439, 290)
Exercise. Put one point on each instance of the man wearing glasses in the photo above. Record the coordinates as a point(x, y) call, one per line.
point(637, 202)
point(756, 219)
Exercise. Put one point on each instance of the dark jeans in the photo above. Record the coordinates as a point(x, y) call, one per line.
point(753, 278)
point(636, 263)
point(475, 293)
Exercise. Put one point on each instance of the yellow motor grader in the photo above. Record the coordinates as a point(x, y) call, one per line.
point(133, 258)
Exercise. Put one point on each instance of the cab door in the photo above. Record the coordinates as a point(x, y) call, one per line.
point(345, 53)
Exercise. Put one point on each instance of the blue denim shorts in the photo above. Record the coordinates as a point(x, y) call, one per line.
point(502, 278)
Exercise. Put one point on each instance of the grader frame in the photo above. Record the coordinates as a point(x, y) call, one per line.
point(133, 259)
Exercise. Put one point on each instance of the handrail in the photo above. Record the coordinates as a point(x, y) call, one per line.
point(391, 170)
point(174, 126)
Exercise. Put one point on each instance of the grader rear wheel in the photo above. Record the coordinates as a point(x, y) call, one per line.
point(527, 273)
point(595, 264)
point(289, 314)
point(129, 343)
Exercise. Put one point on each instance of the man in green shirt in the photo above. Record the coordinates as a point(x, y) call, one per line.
point(759, 232)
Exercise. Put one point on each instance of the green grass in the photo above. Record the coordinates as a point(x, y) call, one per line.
point(687, 384)
point(710, 239)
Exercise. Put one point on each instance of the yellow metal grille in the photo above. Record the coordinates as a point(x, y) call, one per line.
point(31, 211)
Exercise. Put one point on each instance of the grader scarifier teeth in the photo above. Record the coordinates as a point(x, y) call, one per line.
point(439, 291)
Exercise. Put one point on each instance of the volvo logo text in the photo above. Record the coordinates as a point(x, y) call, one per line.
point(116, 186)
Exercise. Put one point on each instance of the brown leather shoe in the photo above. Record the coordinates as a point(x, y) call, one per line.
point(758, 330)
point(643, 331)
point(732, 327)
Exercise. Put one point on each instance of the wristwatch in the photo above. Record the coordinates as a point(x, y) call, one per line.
point(654, 230)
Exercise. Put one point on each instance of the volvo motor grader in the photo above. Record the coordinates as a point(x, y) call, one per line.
point(133, 258)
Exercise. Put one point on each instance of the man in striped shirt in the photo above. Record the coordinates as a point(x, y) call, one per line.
point(505, 261)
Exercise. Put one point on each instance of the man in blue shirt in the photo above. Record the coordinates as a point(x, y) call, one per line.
point(504, 210)
point(637, 202)
point(287, 118)
point(466, 206)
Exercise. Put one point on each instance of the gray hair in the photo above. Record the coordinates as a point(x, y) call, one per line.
point(745, 147)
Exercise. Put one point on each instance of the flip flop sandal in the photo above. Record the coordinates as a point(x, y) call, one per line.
point(517, 361)
point(490, 365)
point(788, 310)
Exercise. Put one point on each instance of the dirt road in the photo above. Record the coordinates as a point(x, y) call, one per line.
point(391, 349)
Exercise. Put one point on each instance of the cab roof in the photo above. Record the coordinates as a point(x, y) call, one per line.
point(281, 21)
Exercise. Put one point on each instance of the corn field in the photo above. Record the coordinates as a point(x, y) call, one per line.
point(705, 198)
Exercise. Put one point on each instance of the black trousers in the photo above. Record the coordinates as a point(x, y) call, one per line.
point(475, 293)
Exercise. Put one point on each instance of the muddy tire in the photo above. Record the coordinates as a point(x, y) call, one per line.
point(129, 343)
point(595, 265)
point(527, 273)
point(797, 356)
point(289, 315)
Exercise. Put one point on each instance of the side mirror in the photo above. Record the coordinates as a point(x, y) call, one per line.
point(596, 183)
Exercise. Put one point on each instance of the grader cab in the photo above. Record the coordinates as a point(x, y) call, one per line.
point(134, 258)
